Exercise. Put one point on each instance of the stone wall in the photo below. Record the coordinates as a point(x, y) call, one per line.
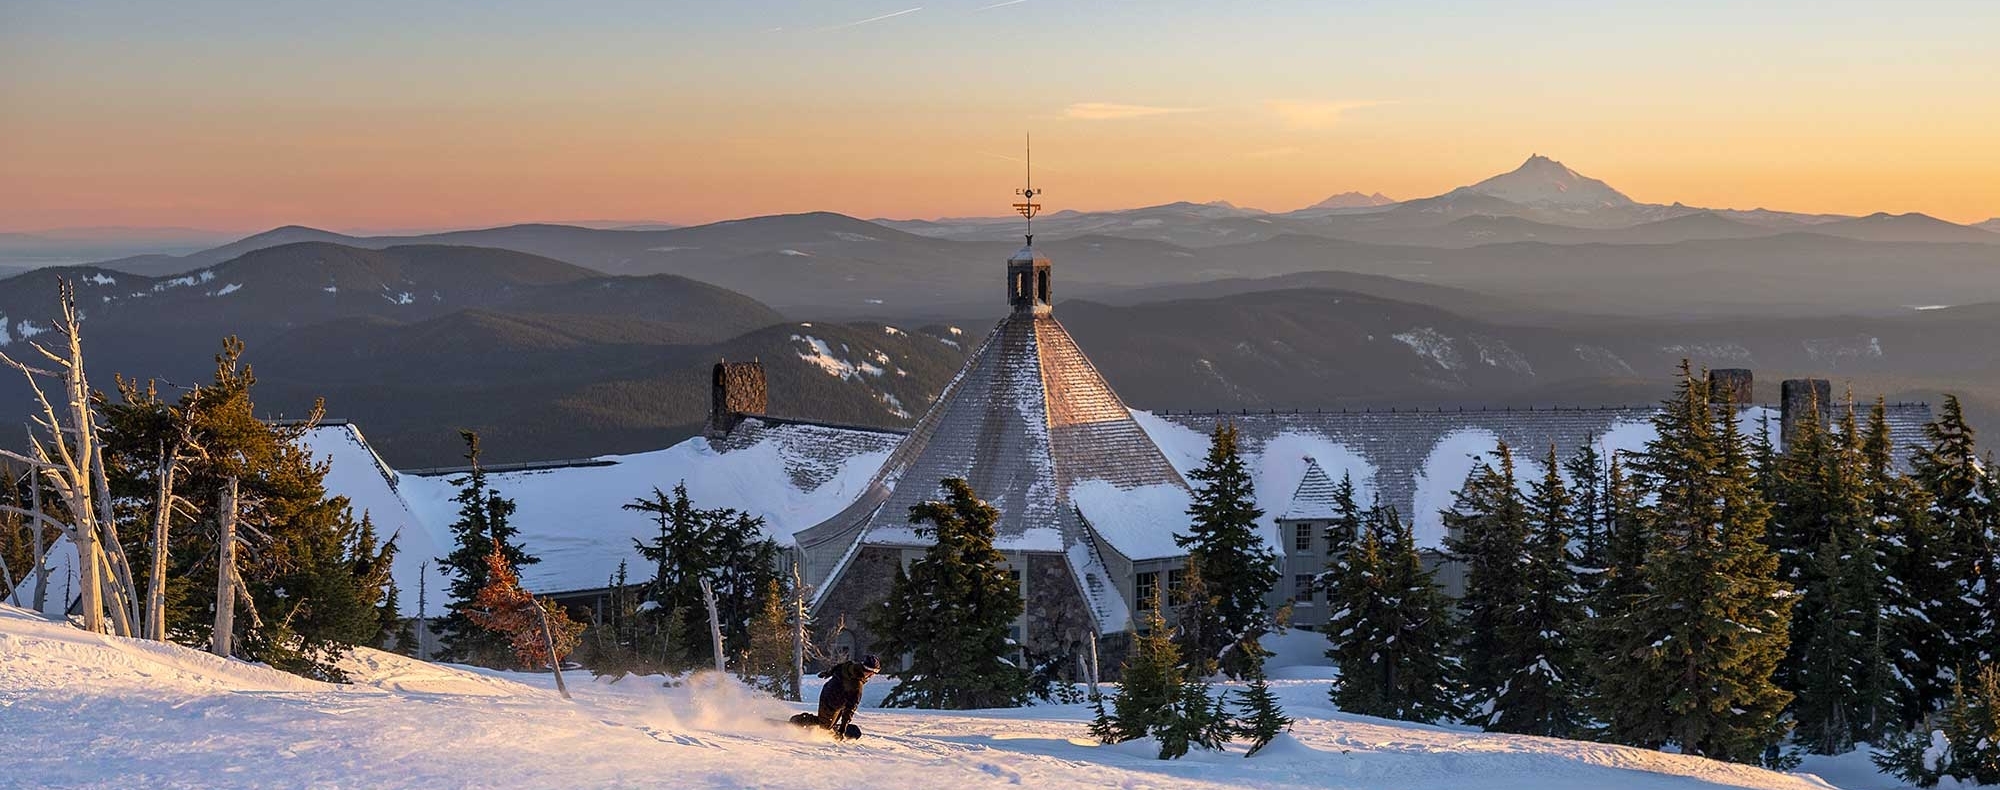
point(862, 584)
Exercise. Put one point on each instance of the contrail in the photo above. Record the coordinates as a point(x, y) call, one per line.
point(999, 4)
point(860, 22)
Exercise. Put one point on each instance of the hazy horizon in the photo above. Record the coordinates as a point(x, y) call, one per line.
point(378, 116)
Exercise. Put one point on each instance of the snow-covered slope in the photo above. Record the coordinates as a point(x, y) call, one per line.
point(1542, 181)
point(81, 710)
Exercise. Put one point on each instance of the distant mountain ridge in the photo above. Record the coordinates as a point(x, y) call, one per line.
point(1353, 200)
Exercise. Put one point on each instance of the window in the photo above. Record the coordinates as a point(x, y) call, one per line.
point(1302, 538)
point(1015, 575)
point(1042, 286)
point(1302, 588)
point(1176, 579)
point(1147, 586)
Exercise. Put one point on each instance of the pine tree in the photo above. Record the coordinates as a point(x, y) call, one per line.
point(1149, 685)
point(1196, 618)
point(952, 613)
point(1544, 692)
point(620, 640)
point(1690, 659)
point(1960, 589)
point(1261, 719)
point(313, 577)
point(482, 525)
point(1197, 720)
point(1487, 531)
point(1391, 630)
point(1965, 744)
point(725, 547)
point(1588, 511)
point(1102, 728)
point(1240, 569)
point(1342, 533)
point(1823, 530)
point(767, 664)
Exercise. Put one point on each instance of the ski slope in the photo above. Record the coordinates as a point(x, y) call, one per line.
point(84, 710)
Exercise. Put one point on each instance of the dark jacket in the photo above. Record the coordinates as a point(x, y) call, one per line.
point(842, 692)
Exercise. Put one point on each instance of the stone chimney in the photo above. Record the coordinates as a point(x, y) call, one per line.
point(1733, 383)
point(738, 391)
point(1803, 399)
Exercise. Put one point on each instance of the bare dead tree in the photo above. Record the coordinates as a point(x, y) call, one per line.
point(714, 626)
point(226, 578)
point(68, 458)
point(170, 455)
point(796, 690)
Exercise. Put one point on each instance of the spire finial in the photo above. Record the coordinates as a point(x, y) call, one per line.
point(1028, 208)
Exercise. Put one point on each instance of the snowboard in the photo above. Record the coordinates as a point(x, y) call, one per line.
point(812, 721)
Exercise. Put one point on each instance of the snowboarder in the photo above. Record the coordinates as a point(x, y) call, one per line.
point(840, 696)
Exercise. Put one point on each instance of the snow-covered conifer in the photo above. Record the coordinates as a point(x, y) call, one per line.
point(1240, 569)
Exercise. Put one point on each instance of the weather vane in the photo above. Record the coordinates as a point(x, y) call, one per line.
point(1028, 208)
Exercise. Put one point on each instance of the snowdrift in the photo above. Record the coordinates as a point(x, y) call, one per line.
point(84, 710)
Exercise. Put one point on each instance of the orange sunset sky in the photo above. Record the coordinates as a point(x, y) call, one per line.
point(367, 115)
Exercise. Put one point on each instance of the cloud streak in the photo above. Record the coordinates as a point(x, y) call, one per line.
point(1298, 114)
point(870, 20)
point(1001, 4)
point(1106, 111)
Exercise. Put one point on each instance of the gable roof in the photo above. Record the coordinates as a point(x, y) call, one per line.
point(1316, 497)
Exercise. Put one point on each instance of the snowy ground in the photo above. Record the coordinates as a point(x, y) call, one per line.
point(78, 709)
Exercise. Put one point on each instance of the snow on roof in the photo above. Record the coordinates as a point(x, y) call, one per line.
point(373, 489)
point(1316, 497)
point(793, 475)
point(1140, 521)
point(1027, 422)
point(1417, 460)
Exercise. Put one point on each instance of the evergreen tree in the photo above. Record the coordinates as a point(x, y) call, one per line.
point(1823, 530)
point(1960, 589)
point(1964, 746)
point(621, 641)
point(483, 524)
point(1391, 630)
point(1261, 719)
point(399, 633)
point(952, 613)
point(1239, 568)
point(1196, 618)
point(725, 547)
point(767, 663)
point(1341, 534)
point(1542, 696)
point(315, 578)
point(1149, 686)
point(1588, 511)
point(1197, 720)
point(1102, 728)
point(1690, 659)
point(1487, 531)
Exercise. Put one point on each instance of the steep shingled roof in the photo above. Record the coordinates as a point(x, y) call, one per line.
point(1315, 498)
point(1027, 420)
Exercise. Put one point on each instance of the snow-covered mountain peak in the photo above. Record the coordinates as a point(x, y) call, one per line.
point(1353, 199)
point(1542, 181)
